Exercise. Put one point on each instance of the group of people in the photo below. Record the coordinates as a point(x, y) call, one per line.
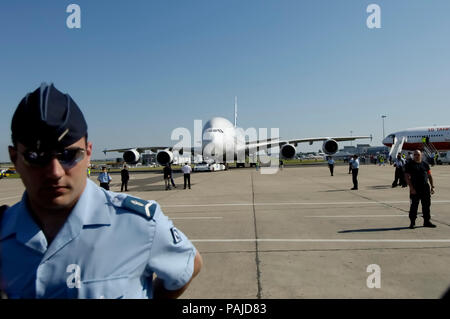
point(399, 176)
point(412, 172)
point(353, 168)
point(105, 178)
point(168, 176)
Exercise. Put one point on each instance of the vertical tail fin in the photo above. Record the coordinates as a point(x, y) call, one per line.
point(235, 111)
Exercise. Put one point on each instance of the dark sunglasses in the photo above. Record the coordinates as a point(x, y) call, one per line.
point(68, 157)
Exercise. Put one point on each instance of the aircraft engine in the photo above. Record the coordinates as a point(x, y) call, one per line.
point(131, 156)
point(287, 151)
point(164, 157)
point(330, 147)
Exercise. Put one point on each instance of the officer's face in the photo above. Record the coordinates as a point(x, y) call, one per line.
point(53, 186)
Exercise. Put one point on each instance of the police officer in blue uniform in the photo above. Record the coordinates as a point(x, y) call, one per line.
point(69, 238)
point(104, 178)
point(331, 164)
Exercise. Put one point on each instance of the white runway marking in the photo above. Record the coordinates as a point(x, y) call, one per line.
point(323, 240)
point(304, 203)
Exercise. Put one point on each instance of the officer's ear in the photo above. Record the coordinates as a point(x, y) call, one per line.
point(88, 146)
point(12, 154)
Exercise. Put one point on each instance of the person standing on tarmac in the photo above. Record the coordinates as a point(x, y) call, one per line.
point(171, 176)
point(355, 169)
point(104, 178)
point(418, 176)
point(187, 175)
point(125, 177)
point(69, 238)
point(331, 164)
point(399, 177)
point(167, 171)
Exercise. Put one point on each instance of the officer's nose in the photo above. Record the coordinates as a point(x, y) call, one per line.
point(54, 169)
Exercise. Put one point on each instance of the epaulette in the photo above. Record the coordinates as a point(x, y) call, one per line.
point(139, 206)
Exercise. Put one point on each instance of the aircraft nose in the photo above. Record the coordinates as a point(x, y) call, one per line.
point(208, 149)
point(213, 147)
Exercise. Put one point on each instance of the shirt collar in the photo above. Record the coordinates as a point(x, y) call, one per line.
point(89, 210)
point(23, 225)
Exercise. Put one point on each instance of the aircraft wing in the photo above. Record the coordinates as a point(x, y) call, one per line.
point(154, 149)
point(139, 149)
point(274, 143)
point(261, 141)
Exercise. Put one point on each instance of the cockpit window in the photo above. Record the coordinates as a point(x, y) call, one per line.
point(214, 130)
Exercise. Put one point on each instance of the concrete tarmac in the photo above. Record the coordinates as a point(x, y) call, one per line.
point(301, 233)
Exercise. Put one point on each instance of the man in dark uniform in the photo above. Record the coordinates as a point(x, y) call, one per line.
point(125, 178)
point(167, 171)
point(418, 176)
point(171, 176)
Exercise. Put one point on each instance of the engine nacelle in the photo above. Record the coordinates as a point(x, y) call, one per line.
point(164, 157)
point(330, 147)
point(287, 151)
point(131, 156)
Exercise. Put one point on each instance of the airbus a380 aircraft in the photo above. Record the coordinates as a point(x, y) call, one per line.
point(223, 142)
point(437, 138)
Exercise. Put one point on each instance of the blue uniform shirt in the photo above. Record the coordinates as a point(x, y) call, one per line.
point(109, 247)
point(104, 177)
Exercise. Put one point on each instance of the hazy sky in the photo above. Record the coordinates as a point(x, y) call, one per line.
point(139, 69)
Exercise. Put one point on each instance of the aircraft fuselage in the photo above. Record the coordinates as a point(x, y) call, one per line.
point(438, 136)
